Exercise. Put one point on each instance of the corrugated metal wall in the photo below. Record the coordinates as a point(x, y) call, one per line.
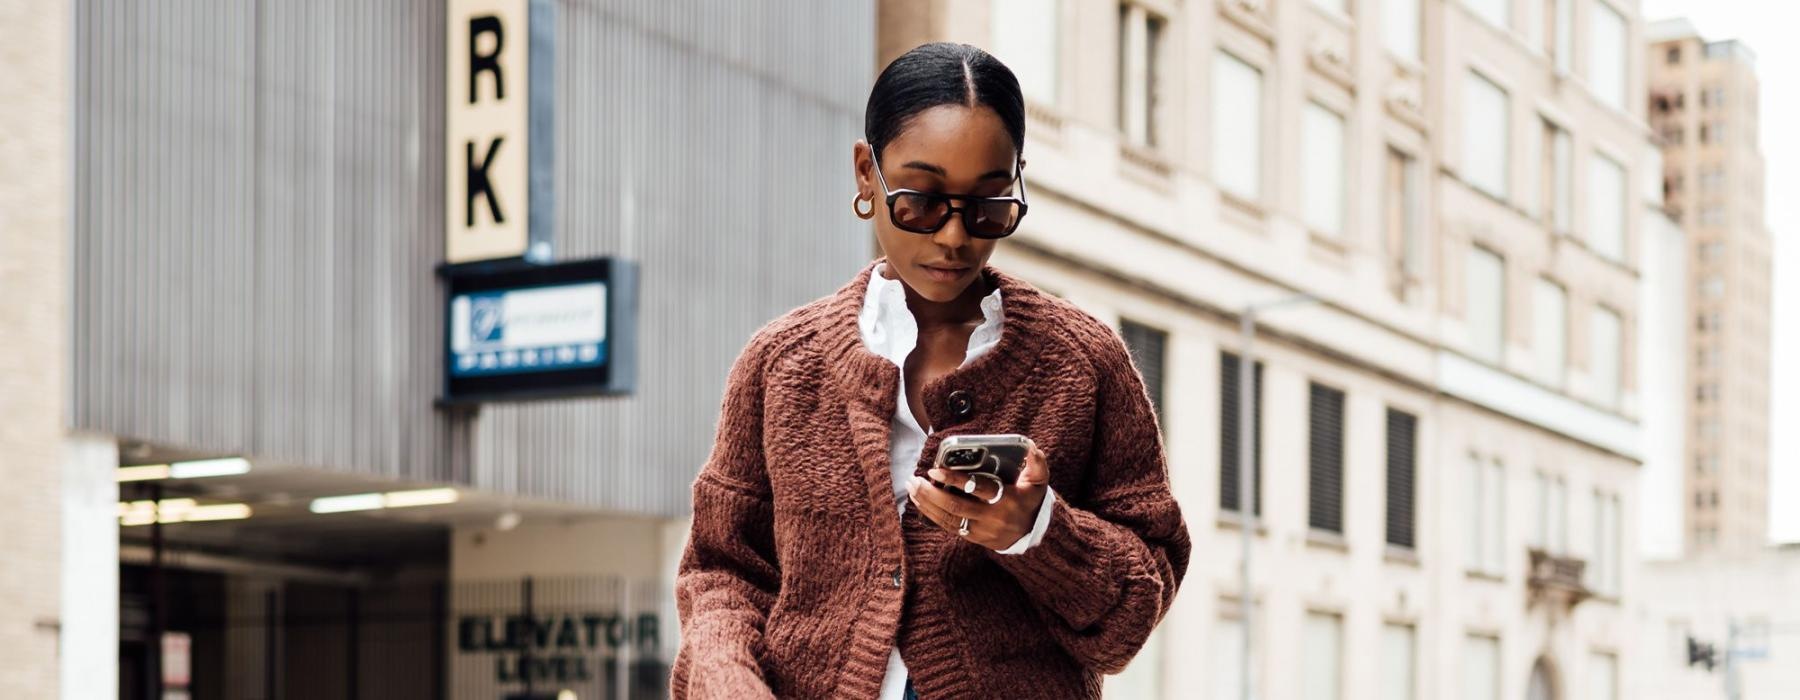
point(259, 211)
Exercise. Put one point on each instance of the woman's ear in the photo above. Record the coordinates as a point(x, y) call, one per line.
point(861, 163)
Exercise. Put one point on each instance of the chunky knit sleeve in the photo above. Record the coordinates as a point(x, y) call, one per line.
point(728, 574)
point(1109, 564)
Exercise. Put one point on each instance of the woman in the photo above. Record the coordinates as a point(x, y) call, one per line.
point(825, 560)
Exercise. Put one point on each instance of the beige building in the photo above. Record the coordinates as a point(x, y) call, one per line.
point(34, 196)
point(1703, 104)
point(1449, 438)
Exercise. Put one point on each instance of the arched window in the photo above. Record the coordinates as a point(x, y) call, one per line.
point(1543, 681)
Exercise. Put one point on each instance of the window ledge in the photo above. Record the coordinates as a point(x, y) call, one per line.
point(1241, 206)
point(1475, 575)
point(1252, 15)
point(1324, 539)
point(1146, 165)
point(1230, 520)
point(1405, 556)
point(1333, 245)
point(1047, 122)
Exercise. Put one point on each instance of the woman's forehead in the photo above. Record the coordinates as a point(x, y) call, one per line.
point(967, 143)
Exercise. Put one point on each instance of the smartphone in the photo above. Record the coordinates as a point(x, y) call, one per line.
point(998, 457)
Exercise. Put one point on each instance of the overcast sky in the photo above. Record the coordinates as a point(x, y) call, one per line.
point(1768, 27)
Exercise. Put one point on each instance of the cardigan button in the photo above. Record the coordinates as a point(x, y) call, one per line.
point(896, 578)
point(962, 404)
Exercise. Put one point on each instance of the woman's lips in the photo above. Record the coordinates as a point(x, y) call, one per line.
point(943, 274)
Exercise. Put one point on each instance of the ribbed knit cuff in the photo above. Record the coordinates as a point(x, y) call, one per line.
point(722, 665)
point(1038, 526)
point(1070, 571)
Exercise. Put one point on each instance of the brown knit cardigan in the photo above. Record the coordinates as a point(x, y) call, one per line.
point(798, 576)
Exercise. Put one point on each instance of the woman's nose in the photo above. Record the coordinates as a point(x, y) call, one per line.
point(952, 235)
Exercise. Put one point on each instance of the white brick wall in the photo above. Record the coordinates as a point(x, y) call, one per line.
point(34, 197)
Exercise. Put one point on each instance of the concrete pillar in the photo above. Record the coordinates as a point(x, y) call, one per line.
point(90, 567)
point(34, 235)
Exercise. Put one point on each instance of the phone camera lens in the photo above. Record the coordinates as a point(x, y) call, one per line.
point(962, 458)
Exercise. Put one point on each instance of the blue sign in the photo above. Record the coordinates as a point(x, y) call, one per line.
point(522, 329)
point(531, 329)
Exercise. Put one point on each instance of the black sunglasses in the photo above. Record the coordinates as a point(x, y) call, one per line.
point(927, 212)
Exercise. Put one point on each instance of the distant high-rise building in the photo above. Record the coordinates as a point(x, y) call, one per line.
point(1703, 106)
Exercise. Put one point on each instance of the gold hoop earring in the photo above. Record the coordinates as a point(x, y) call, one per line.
point(856, 202)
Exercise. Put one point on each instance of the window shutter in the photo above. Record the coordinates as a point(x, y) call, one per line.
point(1146, 345)
point(1228, 433)
point(1325, 460)
point(1401, 466)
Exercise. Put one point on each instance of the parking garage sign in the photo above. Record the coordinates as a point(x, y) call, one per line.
point(497, 157)
point(518, 329)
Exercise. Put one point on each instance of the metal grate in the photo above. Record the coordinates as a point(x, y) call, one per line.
point(1401, 469)
point(1325, 460)
point(1228, 433)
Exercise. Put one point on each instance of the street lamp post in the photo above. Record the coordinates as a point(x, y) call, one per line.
point(1246, 376)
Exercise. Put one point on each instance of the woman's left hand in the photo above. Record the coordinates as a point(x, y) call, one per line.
point(996, 526)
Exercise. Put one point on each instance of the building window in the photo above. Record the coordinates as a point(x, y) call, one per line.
point(1237, 127)
point(1673, 56)
point(1711, 251)
point(1604, 349)
point(1563, 34)
point(1487, 519)
point(1402, 466)
point(1495, 12)
point(1713, 287)
point(1141, 35)
point(1322, 657)
point(1397, 660)
point(1227, 656)
point(1606, 207)
point(1558, 179)
point(1551, 531)
point(1604, 571)
point(1027, 37)
point(1228, 434)
point(1400, 220)
point(1485, 304)
point(1147, 346)
point(1322, 177)
point(1481, 668)
point(1608, 63)
point(1400, 28)
point(1549, 337)
point(1485, 135)
point(1325, 460)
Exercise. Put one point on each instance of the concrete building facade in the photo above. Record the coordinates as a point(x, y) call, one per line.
point(1704, 98)
point(34, 239)
point(1450, 434)
point(225, 314)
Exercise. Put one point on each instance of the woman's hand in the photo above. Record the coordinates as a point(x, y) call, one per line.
point(996, 526)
